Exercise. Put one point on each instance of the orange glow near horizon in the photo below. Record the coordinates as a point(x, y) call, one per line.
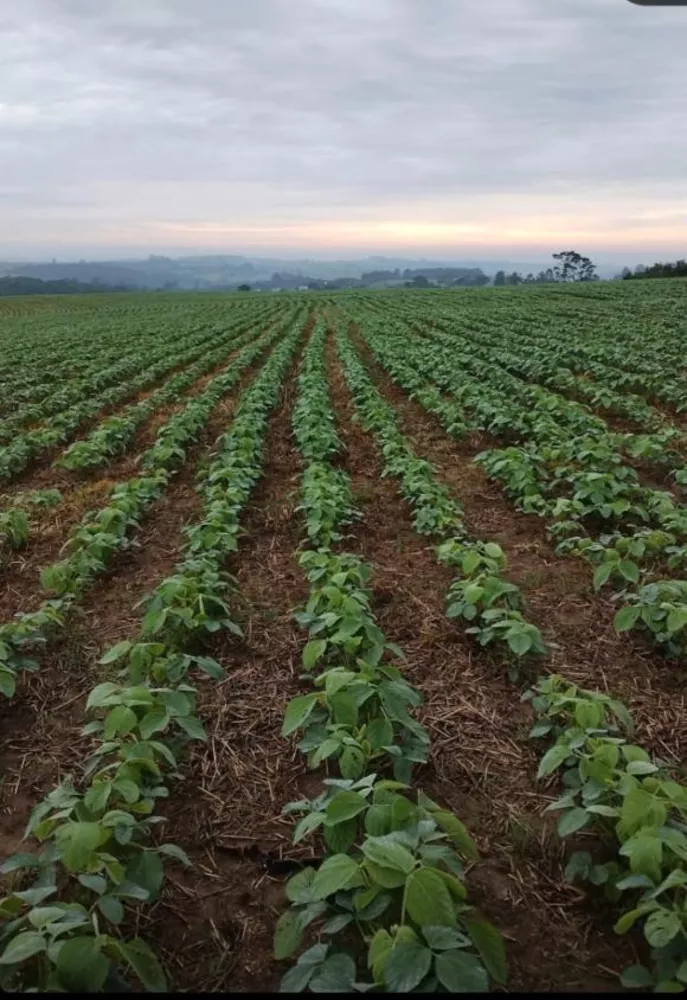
point(650, 231)
point(493, 225)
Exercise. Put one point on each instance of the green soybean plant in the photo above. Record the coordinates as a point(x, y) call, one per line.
point(396, 874)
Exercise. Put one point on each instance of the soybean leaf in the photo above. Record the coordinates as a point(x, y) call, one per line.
point(81, 966)
point(111, 909)
point(334, 874)
point(406, 966)
point(461, 972)
point(96, 883)
point(153, 721)
point(312, 652)
point(116, 652)
point(572, 820)
point(661, 927)
point(442, 938)
point(192, 726)
point(388, 878)
point(147, 871)
point(388, 854)
point(378, 953)
point(23, 946)
point(120, 720)
point(626, 618)
point(78, 841)
point(144, 962)
point(335, 975)
point(427, 898)
point(380, 732)
point(601, 574)
point(352, 762)
point(458, 833)
point(489, 944)
point(344, 806)
point(297, 978)
point(552, 759)
point(306, 825)
point(299, 886)
point(176, 852)
point(636, 977)
point(337, 923)
point(100, 694)
point(287, 934)
point(297, 712)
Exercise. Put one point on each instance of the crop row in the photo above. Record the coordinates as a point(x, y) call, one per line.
point(635, 809)
point(112, 360)
point(14, 458)
point(392, 878)
point(659, 442)
point(632, 342)
point(93, 543)
point(48, 368)
point(593, 503)
point(479, 593)
point(614, 789)
point(68, 930)
point(511, 373)
point(112, 436)
point(15, 520)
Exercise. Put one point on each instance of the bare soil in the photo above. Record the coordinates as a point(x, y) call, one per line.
point(481, 765)
point(40, 728)
point(214, 922)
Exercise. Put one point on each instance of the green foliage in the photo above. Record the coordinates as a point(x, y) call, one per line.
point(99, 852)
point(615, 788)
point(478, 594)
point(392, 871)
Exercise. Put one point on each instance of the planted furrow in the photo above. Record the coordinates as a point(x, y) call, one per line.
point(607, 518)
point(391, 872)
point(577, 624)
point(228, 815)
point(96, 377)
point(132, 430)
point(98, 837)
point(93, 543)
point(25, 447)
point(309, 565)
point(479, 593)
point(478, 762)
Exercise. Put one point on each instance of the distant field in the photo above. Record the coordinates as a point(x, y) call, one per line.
point(256, 542)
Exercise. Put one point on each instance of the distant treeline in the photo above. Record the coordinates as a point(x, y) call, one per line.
point(572, 266)
point(421, 277)
point(18, 285)
point(678, 269)
point(424, 277)
point(515, 278)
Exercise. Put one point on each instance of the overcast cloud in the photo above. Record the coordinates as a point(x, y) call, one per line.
point(341, 124)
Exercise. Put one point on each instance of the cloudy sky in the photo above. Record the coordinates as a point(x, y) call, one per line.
point(341, 126)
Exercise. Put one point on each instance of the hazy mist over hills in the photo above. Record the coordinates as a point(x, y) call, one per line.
point(208, 270)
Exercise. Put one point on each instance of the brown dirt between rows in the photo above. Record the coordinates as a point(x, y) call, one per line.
point(40, 727)
point(665, 409)
point(557, 589)
point(480, 763)
point(82, 490)
point(214, 924)
point(138, 396)
point(226, 814)
point(651, 474)
point(40, 473)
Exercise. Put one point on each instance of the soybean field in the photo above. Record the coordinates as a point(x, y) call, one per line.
point(342, 640)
